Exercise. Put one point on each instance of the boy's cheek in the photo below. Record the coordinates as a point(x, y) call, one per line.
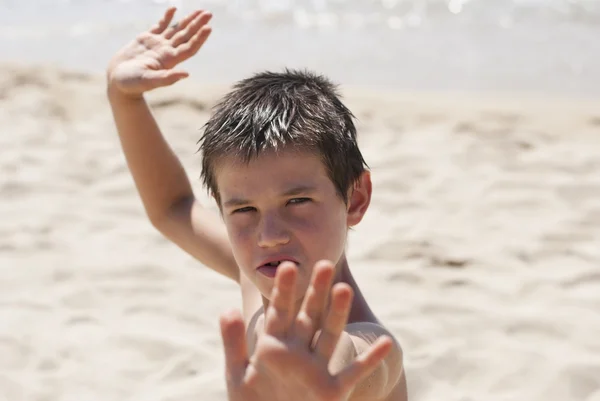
point(238, 231)
point(240, 247)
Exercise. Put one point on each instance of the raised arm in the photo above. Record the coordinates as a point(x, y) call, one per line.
point(149, 62)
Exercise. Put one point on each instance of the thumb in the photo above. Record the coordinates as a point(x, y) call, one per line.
point(165, 77)
point(233, 334)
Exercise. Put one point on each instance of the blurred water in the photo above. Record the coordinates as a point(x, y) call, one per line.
point(547, 46)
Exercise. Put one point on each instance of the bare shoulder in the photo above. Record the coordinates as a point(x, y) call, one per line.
point(363, 335)
point(370, 331)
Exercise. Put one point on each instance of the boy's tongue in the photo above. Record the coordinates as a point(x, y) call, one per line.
point(268, 270)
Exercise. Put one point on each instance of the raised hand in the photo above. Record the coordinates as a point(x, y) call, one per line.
point(288, 364)
point(148, 61)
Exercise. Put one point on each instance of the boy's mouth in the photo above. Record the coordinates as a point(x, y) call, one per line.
point(269, 268)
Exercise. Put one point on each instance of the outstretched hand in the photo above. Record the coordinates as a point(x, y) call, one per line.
point(148, 62)
point(285, 364)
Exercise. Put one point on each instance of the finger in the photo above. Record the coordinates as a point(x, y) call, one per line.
point(279, 315)
point(233, 334)
point(186, 33)
point(335, 320)
point(184, 25)
point(181, 25)
point(164, 21)
point(160, 78)
point(311, 312)
point(190, 48)
point(366, 363)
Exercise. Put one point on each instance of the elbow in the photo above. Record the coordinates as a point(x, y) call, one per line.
point(160, 218)
point(158, 221)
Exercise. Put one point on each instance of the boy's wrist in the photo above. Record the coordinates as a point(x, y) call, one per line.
point(115, 94)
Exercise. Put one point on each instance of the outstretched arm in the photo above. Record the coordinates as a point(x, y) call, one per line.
point(143, 65)
point(149, 62)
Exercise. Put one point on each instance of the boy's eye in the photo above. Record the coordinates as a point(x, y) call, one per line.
point(297, 201)
point(243, 210)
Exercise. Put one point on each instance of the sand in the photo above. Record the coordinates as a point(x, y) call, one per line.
point(481, 250)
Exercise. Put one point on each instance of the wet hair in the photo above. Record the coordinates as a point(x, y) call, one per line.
point(271, 111)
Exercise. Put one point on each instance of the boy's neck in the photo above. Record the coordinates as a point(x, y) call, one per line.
point(360, 311)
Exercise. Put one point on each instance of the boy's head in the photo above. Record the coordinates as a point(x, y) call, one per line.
point(281, 159)
point(272, 111)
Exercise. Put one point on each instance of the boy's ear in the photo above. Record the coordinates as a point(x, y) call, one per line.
point(359, 198)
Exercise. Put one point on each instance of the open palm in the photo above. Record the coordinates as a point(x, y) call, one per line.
point(149, 61)
point(287, 364)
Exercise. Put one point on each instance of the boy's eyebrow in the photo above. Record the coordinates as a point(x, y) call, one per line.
point(297, 190)
point(300, 189)
point(235, 202)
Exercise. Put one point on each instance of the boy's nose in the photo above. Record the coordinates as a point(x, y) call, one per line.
point(272, 233)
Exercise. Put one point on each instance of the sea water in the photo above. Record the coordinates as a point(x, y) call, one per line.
point(542, 46)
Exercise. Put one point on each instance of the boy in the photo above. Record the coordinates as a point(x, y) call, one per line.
point(281, 160)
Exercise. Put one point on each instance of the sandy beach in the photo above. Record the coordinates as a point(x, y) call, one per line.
point(481, 249)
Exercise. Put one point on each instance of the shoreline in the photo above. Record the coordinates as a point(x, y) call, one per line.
point(441, 99)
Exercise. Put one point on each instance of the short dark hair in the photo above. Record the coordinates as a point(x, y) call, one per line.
point(271, 111)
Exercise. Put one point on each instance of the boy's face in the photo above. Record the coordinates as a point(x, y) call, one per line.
point(284, 207)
